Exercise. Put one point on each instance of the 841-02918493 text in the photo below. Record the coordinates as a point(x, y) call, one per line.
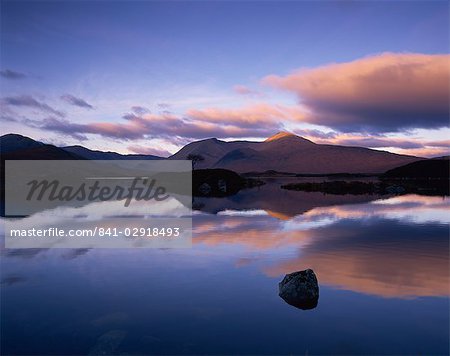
point(142, 232)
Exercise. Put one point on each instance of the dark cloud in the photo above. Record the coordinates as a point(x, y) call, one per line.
point(73, 100)
point(163, 106)
point(140, 110)
point(11, 74)
point(443, 143)
point(383, 93)
point(8, 118)
point(61, 126)
point(29, 101)
point(316, 133)
point(6, 113)
point(12, 279)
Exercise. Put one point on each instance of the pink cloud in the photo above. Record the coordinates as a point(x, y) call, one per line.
point(380, 93)
point(244, 90)
point(256, 114)
point(372, 95)
point(259, 120)
point(195, 125)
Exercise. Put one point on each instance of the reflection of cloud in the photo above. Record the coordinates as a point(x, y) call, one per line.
point(411, 208)
point(374, 255)
point(377, 256)
point(373, 248)
point(381, 93)
point(257, 233)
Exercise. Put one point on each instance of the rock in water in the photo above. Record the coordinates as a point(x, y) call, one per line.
point(108, 343)
point(300, 289)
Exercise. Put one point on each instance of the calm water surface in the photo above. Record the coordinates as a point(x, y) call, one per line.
point(382, 266)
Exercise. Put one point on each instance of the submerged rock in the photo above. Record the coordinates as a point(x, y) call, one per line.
point(108, 343)
point(300, 289)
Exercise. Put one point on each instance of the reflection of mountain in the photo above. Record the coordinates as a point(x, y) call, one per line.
point(392, 248)
point(286, 152)
point(280, 203)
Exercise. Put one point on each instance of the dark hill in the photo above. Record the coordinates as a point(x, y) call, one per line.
point(18, 147)
point(430, 168)
point(102, 155)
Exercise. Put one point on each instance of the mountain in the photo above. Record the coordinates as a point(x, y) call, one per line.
point(14, 142)
point(286, 152)
point(14, 146)
point(102, 155)
point(283, 152)
point(18, 147)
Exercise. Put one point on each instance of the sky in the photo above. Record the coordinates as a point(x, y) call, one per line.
point(152, 76)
